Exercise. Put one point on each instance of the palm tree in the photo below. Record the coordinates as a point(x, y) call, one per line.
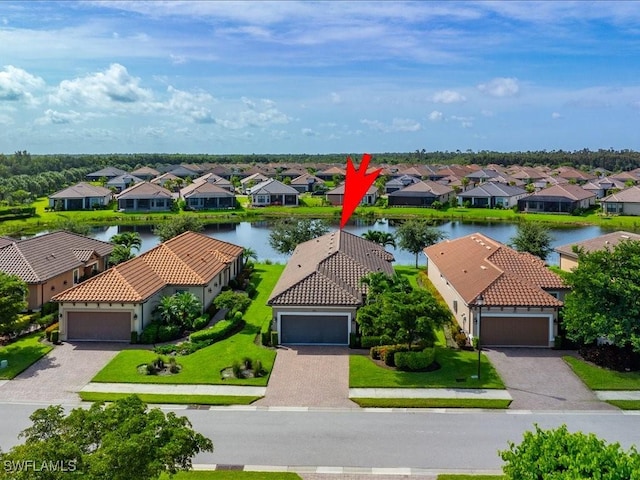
point(249, 254)
point(385, 239)
point(125, 243)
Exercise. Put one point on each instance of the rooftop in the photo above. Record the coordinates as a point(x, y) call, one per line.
point(608, 240)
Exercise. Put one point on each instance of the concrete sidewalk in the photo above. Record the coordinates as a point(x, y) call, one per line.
point(617, 394)
point(429, 393)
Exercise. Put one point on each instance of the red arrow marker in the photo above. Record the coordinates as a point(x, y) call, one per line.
point(355, 186)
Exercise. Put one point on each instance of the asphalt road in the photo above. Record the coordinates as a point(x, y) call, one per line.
point(437, 440)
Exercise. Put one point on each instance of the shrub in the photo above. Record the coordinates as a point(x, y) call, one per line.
point(233, 301)
point(374, 352)
point(149, 333)
point(55, 336)
point(49, 308)
point(165, 349)
point(274, 339)
point(201, 322)
point(251, 290)
point(247, 362)
point(173, 365)
point(369, 341)
point(461, 339)
point(237, 369)
point(611, 357)
point(46, 320)
point(220, 330)
point(49, 329)
point(134, 337)
point(187, 348)
point(166, 333)
point(354, 340)
point(415, 361)
point(258, 369)
point(237, 316)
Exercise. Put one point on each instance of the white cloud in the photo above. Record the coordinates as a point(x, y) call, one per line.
point(260, 113)
point(556, 115)
point(58, 118)
point(436, 116)
point(487, 113)
point(113, 86)
point(335, 98)
point(448, 96)
point(397, 125)
point(193, 105)
point(500, 87)
point(307, 132)
point(17, 84)
point(5, 119)
point(465, 122)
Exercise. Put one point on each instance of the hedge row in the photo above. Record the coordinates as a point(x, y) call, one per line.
point(415, 361)
point(220, 330)
point(387, 353)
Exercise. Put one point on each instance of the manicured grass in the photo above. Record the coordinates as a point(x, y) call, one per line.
point(470, 477)
point(432, 403)
point(231, 475)
point(598, 378)
point(21, 354)
point(170, 399)
point(411, 273)
point(455, 365)
point(625, 404)
point(204, 366)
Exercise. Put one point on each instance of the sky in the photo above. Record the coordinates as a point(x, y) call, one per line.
point(304, 77)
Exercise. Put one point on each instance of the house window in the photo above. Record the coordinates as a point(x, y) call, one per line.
point(455, 306)
point(76, 276)
point(553, 294)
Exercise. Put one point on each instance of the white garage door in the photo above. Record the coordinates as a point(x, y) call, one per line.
point(314, 329)
point(99, 326)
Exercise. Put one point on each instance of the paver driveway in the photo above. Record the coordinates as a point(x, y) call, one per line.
point(308, 376)
point(538, 379)
point(57, 376)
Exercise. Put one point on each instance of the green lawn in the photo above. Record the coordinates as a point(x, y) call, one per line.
point(204, 366)
point(432, 403)
point(470, 477)
point(598, 378)
point(411, 273)
point(21, 354)
point(231, 475)
point(457, 367)
point(170, 398)
point(625, 404)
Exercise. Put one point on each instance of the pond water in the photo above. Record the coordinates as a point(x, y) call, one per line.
point(256, 235)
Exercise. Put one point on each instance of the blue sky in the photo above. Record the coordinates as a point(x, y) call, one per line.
point(318, 77)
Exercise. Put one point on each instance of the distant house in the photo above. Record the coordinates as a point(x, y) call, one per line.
point(207, 196)
point(53, 262)
point(145, 197)
point(112, 305)
point(481, 176)
point(557, 199)
point(81, 196)
point(573, 175)
point(252, 180)
point(316, 298)
point(306, 183)
point(273, 192)
point(421, 194)
point(603, 186)
point(492, 194)
point(165, 178)
point(145, 173)
point(624, 202)
point(336, 196)
point(108, 173)
point(625, 177)
point(216, 180)
point(398, 183)
point(329, 174)
point(123, 182)
point(184, 172)
point(569, 252)
point(423, 172)
point(520, 295)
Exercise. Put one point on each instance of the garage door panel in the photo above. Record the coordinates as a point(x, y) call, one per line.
point(515, 331)
point(99, 326)
point(314, 329)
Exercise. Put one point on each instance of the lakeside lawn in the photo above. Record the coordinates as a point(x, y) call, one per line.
point(205, 365)
point(598, 378)
point(22, 353)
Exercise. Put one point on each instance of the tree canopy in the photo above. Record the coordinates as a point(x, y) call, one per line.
point(416, 234)
point(125, 243)
point(178, 225)
point(386, 239)
point(603, 302)
point(121, 441)
point(287, 234)
point(13, 300)
point(534, 238)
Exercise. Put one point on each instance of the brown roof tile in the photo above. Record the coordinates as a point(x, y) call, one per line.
point(477, 264)
point(328, 269)
point(188, 259)
point(144, 190)
point(608, 240)
point(631, 195)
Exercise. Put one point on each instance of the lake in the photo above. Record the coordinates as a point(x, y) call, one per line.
point(256, 235)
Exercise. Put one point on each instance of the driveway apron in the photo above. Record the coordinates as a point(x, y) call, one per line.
point(538, 379)
point(57, 376)
point(309, 376)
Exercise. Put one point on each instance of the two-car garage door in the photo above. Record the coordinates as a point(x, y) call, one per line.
point(99, 326)
point(515, 331)
point(314, 329)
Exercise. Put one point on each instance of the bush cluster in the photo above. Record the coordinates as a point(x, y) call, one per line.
point(368, 341)
point(220, 330)
point(415, 361)
point(611, 357)
point(49, 329)
point(158, 333)
point(387, 353)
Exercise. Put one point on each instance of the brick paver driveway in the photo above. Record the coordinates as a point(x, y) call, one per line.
point(57, 376)
point(538, 379)
point(308, 376)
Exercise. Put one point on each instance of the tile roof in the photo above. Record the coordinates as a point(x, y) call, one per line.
point(339, 190)
point(573, 192)
point(493, 189)
point(327, 271)
point(40, 258)
point(82, 190)
point(146, 171)
point(165, 177)
point(273, 187)
point(631, 195)
point(124, 179)
point(107, 172)
point(476, 264)
point(188, 259)
point(423, 188)
point(601, 242)
point(305, 179)
point(144, 190)
point(204, 189)
point(254, 177)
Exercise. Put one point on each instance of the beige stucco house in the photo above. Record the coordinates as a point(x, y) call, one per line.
point(569, 253)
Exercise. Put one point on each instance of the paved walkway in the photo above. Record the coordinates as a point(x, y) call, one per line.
point(57, 376)
point(538, 379)
point(429, 393)
point(309, 376)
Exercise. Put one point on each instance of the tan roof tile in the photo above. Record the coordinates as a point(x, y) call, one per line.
point(608, 240)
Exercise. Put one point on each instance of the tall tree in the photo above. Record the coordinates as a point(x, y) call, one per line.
point(386, 239)
point(178, 225)
point(13, 295)
point(603, 302)
point(249, 254)
point(287, 234)
point(125, 243)
point(414, 235)
point(534, 238)
point(120, 441)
